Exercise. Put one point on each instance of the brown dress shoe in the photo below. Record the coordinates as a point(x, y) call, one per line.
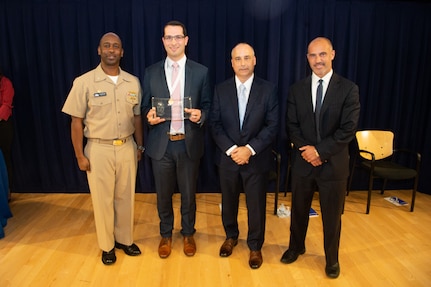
point(227, 247)
point(165, 247)
point(255, 259)
point(189, 245)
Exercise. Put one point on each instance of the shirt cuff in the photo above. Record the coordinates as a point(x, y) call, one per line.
point(251, 149)
point(229, 151)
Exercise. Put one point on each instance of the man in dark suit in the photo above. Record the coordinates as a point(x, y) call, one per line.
point(244, 133)
point(175, 146)
point(320, 156)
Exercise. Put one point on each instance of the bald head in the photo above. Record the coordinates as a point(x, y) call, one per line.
point(242, 46)
point(321, 40)
point(109, 35)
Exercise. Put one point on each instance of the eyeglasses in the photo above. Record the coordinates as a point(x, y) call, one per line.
point(176, 37)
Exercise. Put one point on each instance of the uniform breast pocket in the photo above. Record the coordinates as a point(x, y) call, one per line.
point(100, 107)
point(132, 98)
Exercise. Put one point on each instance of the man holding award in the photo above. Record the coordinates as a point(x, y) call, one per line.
point(176, 100)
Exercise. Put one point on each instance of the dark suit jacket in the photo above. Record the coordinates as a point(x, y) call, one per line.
point(197, 86)
point(260, 124)
point(338, 122)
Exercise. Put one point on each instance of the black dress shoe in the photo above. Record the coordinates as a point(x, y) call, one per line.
point(227, 247)
point(109, 257)
point(332, 271)
point(131, 250)
point(291, 255)
point(256, 259)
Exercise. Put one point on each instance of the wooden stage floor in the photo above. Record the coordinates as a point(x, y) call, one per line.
point(51, 241)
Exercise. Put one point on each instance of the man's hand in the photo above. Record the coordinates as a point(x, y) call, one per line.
point(310, 155)
point(241, 155)
point(83, 163)
point(195, 115)
point(152, 117)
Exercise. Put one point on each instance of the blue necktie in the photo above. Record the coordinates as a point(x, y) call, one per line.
point(242, 104)
point(319, 95)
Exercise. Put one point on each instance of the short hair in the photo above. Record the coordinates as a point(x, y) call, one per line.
point(176, 23)
point(112, 34)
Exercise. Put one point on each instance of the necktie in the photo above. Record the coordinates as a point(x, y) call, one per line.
point(176, 120)
point(242, 104)
point(319, 95)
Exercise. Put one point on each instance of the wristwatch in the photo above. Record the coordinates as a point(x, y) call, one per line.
point(141, 148)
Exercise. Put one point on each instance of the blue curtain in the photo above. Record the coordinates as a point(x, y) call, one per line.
point(384, 46)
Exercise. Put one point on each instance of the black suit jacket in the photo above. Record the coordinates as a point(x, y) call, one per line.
point(338, 122)
point(260, 124)
point(197, 86)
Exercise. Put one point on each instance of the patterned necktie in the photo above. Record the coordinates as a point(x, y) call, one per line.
point(176, 121)
point(242, 104)
point(319, 95)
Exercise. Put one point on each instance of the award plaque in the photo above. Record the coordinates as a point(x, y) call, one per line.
point(165, 107)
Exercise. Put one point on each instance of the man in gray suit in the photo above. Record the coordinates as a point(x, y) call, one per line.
point(175, 145)
point(320, 132)
point(244, 132)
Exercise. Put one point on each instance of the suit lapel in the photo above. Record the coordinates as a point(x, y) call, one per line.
point(162, 76)
point(230, 101)
point(233, 102)
point(307, 92)
point(330, 93)
point(188, 79)
point(252, 97)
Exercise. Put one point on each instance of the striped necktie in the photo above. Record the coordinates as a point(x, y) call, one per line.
point(176, 120)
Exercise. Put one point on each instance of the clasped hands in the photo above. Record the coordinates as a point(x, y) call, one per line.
point(310, 155)
point(241, 155)
point(153, 119)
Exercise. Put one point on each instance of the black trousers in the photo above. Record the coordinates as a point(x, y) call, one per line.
point(331, 196)
point(254, 186)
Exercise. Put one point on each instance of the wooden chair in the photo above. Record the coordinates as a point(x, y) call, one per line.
point(377, 155)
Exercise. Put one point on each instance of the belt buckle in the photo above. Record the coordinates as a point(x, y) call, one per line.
point(117, 142)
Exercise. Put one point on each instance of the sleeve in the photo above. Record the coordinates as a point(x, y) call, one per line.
point(76, 101)
point(7, 93)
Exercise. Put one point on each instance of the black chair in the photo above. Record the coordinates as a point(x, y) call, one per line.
point(289, 167)
point(278, 165)
point(377, 155)
point(274, 175)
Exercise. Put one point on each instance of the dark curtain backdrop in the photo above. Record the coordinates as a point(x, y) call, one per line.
point(384, 46)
